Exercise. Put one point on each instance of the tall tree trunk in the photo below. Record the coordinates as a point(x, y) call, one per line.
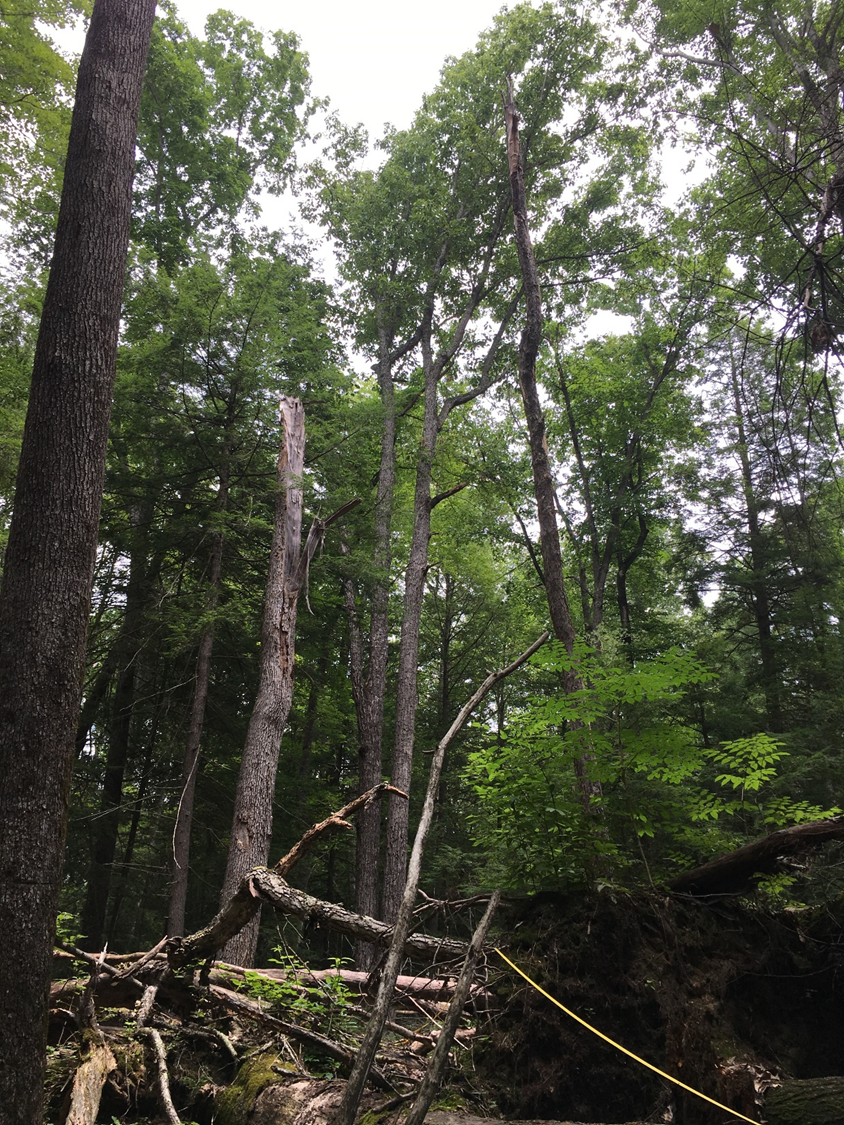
point(369, 689)
point(253, 805)
point(107, 823)
point(758, 588)
point(53, 536)
point(531, 338)
point(395, 863)
point(184, 814)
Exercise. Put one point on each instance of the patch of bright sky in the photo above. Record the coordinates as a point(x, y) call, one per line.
point(374, 59)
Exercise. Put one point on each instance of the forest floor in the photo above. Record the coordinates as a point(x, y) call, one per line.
point(732, 998)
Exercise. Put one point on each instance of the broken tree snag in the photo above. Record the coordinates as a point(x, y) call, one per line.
point(735, 872)
point(88, 1085)
point(244, 905)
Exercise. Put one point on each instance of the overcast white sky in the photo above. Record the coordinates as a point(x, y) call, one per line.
point(373, 58)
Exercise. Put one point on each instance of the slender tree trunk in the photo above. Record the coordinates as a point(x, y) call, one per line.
point(549, 536)
point(53, 536)
point(107, 823)
point(758, 588)
point(184, 814)
point(395, 864)
point(369, 690)
point(253, 806)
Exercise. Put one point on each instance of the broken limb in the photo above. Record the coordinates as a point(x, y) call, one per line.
point(242, 907)
point(737, 872)
point(348, 1107)
point(336, 820)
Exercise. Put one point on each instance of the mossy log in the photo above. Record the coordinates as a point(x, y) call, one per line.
point(808, 1101)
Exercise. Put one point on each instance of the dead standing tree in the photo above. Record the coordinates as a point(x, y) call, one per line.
point(287, 577)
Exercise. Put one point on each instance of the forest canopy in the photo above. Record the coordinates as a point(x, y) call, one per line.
point(688, 373)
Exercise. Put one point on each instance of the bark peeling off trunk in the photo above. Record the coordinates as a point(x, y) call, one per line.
point(88, 1085)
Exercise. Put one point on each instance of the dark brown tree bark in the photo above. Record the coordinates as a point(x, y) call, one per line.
point(738, 872)
point(52, 543)
point(253, 806)
point(106, 824)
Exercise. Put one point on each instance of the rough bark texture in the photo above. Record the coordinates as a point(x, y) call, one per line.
point(812, 1101)
point(53, 536)
point(735, 873)
point(263, 885)
point(369, 687)
point(253, 807)
point(88, 1085)
point(395, 862)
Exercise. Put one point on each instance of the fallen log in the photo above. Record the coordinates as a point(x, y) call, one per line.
point(737, 872)
point(88, 1085)
point(423, 988)
point(303, 1035)
point(266, 885)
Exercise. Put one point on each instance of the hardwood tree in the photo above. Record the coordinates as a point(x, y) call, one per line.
point(53, 536)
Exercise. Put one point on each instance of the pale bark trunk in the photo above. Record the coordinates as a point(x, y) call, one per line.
point(53, 536)
point(252, 822)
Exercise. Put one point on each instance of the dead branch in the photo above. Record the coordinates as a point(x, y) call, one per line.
point(736, 872)
point(263, 885)
point(246, 902)
point(428, 988)
point(336, 820)
point(163, 1076)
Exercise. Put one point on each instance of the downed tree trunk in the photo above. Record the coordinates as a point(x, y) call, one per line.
point(812, 1101)
point(735, 873)
point(432, 989)
point(88, 1085)
point(264, 885)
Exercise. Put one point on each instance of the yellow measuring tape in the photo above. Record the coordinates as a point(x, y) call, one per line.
point(619, 1047)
